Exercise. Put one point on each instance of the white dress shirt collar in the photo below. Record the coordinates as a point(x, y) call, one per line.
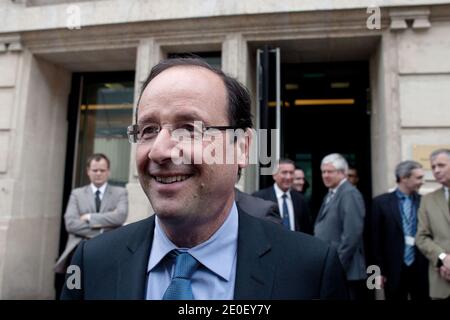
point(279, 193)
point(334, 190)
point(101, 189)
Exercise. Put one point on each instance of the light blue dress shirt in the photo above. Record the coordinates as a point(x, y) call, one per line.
point(214, 279)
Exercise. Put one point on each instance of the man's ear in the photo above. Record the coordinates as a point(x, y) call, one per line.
point(243, 143)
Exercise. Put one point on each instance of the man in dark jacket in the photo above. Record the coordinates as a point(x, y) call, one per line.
point(393, 229)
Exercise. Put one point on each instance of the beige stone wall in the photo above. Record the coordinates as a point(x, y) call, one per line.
point(29, 234)
point(424, 89)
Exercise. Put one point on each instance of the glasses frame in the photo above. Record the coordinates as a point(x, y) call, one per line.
point(133, 131)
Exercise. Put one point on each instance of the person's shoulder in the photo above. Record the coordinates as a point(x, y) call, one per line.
point(80, 190)
point(297, 195)
point(122, 235)
point(382, 197)
point(115, 188)
point(433, 195)
point(348, 188)
point(262, 191)
point(290, 241)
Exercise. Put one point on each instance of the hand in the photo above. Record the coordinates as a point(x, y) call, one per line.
point(445, 273)
point(85, 217)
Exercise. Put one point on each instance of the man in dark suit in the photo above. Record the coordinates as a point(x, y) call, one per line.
point(340, 222)
point(394, 225)
point(292, 204)
point(258, 207)
point(199, 244)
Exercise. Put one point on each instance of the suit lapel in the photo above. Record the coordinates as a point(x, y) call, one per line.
point(90, 198)
point(322, 210)
point(395, 209)
point(297, 210)
point(273, 195)
point(132, 274)
point(442, 204)
point(254, 278)
point(105, 199)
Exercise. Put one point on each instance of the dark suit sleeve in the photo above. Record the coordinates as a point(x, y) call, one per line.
point(273, 214)
point(376, 239)
point(74, 282)
point(258, 194)
point(333, 282)
point(306, 220)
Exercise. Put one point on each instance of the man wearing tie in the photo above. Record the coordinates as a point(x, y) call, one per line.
point(200, 244)
point(393, 227)
point(340, 222)
point(292, 205)
point(93, 209)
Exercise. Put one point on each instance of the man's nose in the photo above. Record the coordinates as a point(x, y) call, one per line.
point(161, 148)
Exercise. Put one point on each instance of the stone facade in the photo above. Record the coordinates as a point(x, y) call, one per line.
point(409, 80)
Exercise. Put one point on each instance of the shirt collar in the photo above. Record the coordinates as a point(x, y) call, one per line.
point(102, 188)
point(334, 190)
point(401, 195)
point(217, 253)
point(279, 193)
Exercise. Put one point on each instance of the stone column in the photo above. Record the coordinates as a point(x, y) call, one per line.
point(33, 134)
point(148, 54)
point(235, 63)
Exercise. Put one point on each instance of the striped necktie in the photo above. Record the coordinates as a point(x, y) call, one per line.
point(285, 212)
point(180, 287)
point(98, 202)
point(408, 229)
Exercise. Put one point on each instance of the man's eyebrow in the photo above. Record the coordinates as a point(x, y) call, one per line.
point(177, 117)
point(187, 116)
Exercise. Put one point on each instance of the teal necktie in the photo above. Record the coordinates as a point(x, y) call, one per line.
point(180, 287)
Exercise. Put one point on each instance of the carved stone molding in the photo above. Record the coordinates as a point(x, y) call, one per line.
point(400, 18)
point(10, 43)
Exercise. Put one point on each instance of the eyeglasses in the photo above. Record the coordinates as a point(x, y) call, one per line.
point(189, 131)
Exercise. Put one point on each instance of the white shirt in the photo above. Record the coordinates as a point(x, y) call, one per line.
point(214, 279)
point(446, 193)
point(279, 193)
point(101, 189)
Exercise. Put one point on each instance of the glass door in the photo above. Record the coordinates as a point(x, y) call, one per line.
point(105, 111)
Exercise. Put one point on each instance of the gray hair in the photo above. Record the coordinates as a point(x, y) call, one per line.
point(437, 152)
point(404, 169)
point(337, 160)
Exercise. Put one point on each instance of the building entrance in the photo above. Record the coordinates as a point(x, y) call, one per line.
point(323, 108)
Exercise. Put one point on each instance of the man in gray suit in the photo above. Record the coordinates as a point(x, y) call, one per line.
point(93, 209)
point(340, 222)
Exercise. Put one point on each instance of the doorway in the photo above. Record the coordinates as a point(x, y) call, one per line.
point(99, 110)
point(324, 108)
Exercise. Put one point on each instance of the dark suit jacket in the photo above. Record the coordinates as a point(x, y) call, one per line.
point(388, 241)
point(272, 263)
point(302, 217)
point(258, 207)
point(341, 224)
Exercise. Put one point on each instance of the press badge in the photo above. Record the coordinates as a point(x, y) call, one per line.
point(409, 240)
